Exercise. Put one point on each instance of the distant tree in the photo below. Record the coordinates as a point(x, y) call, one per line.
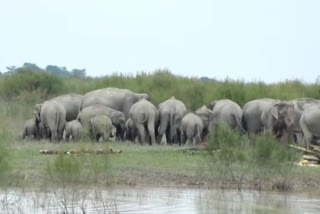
point(59, 71)
point(78, 73)
point(10, 70)
point(318, 80)
point(31, 66)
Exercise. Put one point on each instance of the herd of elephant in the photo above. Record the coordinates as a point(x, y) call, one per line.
point(125, 115)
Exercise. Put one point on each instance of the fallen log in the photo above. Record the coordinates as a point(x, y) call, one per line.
point(315, 147)
point(311, 158)
point(84, 151)
point(302, 149)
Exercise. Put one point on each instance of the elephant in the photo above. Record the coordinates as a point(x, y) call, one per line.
point(145, 117)
point(117, 117)
point(29, 129)
point(100, 126)
point(171, 113)
point(72, 129)
point(191, 129)
point(310, 124)
point(115, 98)
point(131, 130)
point(71, 103)
point(252, 111)
point(205, 115)
point(279, 119)
point(299, 105)
point(227, 111)
point(52, 114)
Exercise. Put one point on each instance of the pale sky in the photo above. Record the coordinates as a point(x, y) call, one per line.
point(251, 40)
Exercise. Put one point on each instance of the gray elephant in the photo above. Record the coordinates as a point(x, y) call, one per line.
point(30, 130)
point(205, 115)
point(115, 98)
point(100, 126)
point(72, 130)
point(279, 119)
point(117, 117)
point(131, 130)
point(227, 111)
point(52, 114)
point(71, 103)
point(252, 111)
point(171, 113)
point(299, 105)
point(310, 124)
point(191, 129)
point(145, 117)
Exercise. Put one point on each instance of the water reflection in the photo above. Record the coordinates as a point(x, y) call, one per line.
point(157, 200)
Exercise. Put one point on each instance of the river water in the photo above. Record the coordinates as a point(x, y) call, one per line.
point(158, 200)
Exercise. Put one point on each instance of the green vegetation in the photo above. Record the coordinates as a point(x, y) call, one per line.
point(160, 85)
point(259, 161)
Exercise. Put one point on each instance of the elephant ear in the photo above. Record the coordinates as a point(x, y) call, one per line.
point(274, 111)
point(212, 104)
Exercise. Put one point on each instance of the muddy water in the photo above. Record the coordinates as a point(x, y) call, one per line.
point(158, 200)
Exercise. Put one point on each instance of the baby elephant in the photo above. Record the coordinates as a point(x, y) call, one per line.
point(72, 129)
point(30, 130)
point(191, 128)
point(101, 126)
point(131, 130)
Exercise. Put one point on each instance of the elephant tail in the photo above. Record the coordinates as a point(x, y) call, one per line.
point(55, 131)
point(143, 118)
point(239, 124)
point(199, 133)
point(171, 127)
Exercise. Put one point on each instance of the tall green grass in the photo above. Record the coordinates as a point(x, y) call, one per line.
point(259, 161)
point(160, 84)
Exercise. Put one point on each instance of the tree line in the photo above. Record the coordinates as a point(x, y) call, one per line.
point(54, 69)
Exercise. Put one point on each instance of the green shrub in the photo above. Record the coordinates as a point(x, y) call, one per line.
point(260, 161)
point(27, 80)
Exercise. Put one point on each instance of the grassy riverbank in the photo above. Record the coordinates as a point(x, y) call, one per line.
point(137, 165)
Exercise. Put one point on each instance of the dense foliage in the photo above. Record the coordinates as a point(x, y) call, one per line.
point(160, 84)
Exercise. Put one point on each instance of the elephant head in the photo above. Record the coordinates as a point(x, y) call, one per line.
point(36, 112)
point(118, 120)
point(144, 96)
point(284, 118)
point(206, 116)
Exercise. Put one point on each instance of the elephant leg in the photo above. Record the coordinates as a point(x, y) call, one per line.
point(189, 141)
point(105, 137)
point(151, 132)
point(97, 137)
point(142, 133)
point(178, 136)
point(168, 136)
point(162, 130)
point(299, 138)
point(183, 138)
point(67, 137)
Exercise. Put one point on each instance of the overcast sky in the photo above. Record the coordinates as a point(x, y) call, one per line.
point(251, 40)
